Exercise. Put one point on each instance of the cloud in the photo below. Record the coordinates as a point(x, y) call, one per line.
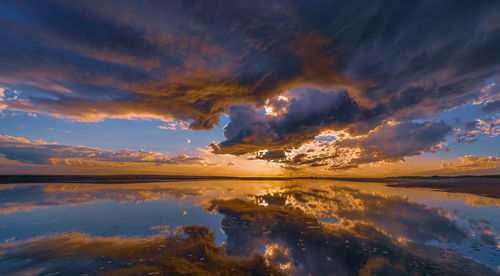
point(173, 125)
point(308, 114)
point(271, 155)
point(2, 95)
point(489, 126)
point(491, 107)
point(468, 137)
point(472, 163)
point(93, 61)
point(470, 125)
point(470, 134)
point(40, 152)
point(394, 142)
point(388, 142)
point(167, 127)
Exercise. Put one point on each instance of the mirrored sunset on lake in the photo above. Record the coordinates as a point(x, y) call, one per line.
point(188, 137)
point(298, 227)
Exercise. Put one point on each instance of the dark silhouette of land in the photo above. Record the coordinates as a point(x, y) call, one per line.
point(486, 185)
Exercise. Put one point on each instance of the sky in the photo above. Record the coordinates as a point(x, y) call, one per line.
point(285, 88)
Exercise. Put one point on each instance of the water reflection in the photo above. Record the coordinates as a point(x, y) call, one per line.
point(245, 227)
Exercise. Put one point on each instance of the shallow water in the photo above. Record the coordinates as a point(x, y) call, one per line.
point(245, 227)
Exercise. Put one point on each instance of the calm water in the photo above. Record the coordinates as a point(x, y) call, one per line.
point(245, 228)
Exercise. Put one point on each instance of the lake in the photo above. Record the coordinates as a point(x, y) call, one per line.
point(240, 227)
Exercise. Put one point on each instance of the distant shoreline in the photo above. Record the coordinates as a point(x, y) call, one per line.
point(153, 177)
point(486, 185)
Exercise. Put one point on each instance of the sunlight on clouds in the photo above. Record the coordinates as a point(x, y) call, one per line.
point(472, 163)
point(490, 126)
point(174, 125)
point(277, 105)
point(302, 92)
point(488, 94)
point(37, 156)
point(2, 95)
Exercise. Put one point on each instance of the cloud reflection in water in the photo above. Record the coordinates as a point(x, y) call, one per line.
point(270, 227)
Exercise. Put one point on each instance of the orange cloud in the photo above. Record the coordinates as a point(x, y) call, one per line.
point(40, 152)
point(472, 163)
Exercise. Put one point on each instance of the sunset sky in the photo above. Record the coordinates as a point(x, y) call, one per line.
point(250, 88)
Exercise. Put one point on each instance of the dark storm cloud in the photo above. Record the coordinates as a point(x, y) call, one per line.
point(250, 130)
point(313, 112)
point(191, 61)
point(40, 152)
point(309, 114)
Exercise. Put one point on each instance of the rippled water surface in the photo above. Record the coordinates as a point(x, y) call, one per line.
point(231, 227)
